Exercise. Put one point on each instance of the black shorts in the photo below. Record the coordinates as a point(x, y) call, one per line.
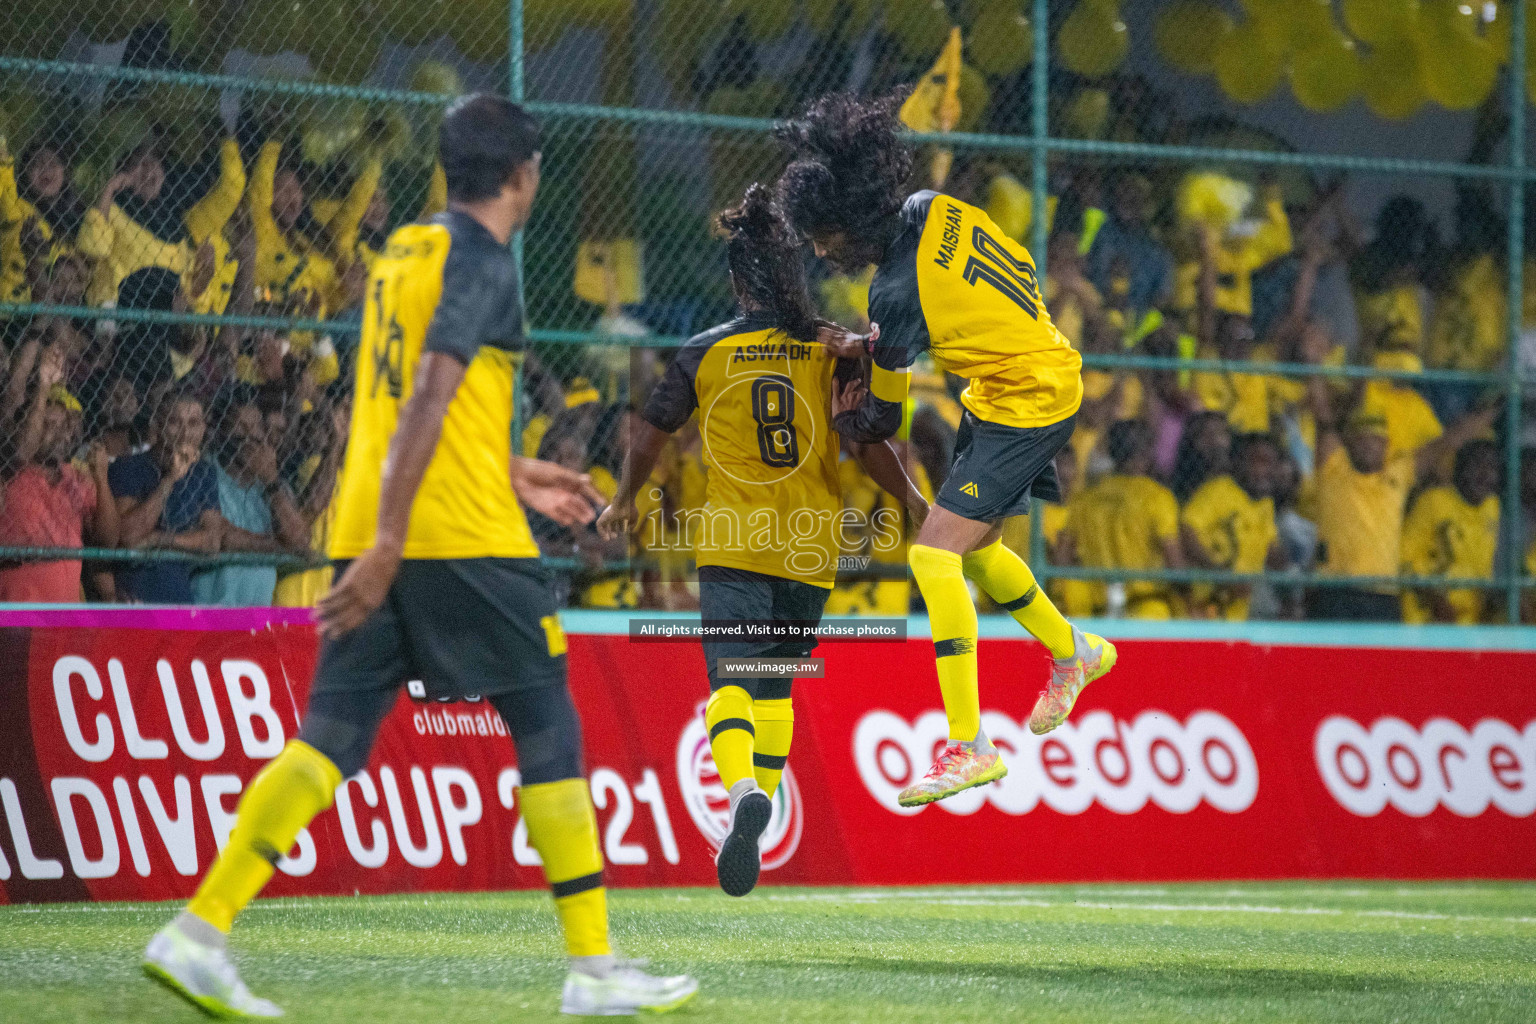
point(997, 469)
point(735, 595)
point(463, 626)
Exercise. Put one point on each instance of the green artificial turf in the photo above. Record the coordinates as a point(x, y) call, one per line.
point(1224, 952)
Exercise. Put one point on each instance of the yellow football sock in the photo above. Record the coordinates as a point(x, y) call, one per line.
point(952, 615)
point(775, 722)
point(563, 828)
point(284, 796)
point(728, 715)
point(1007, 580)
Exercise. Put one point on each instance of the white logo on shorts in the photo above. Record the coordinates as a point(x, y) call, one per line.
point(1417, 770)
point(1096, 757)
point(709, 804)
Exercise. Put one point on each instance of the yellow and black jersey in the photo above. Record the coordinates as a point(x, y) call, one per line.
point(1446, 535)
point(954, 285)
point(444, 286)
point(1235, 528)
point(763, 400)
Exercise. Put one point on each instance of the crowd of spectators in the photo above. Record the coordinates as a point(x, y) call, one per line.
point(136, 432)
point(165, 439)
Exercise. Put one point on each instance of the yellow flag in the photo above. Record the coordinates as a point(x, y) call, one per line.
point(934, 105)
point(609, 273)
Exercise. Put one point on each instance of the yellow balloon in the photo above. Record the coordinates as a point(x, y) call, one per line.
point(1327, 74)
point(1001, 41)
point(918, 26)
point(764, 21)
point(820, 15)
point(1458, 66)
point(1270, 20)
point(1092, 41)
point(1305, 23)
point(974, 97)
point(1374, 21)
point(435, 76)
point(1497, 32)
point(1187, 33)
point(1247, 66)
point(1393, 84)
point(1087, 114)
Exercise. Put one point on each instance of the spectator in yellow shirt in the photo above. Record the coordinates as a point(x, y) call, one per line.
point(1243, 248)
point(292, 266)
point(1362, 486)
point(1244, 398)
point(39, 214)
point(1229, 523)
point(136, 223)
point(1126, 521)
point(1360, 496)
point(1453, 531)
point(1390, 295)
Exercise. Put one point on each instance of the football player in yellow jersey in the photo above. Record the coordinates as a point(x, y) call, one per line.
point(439, 578)
point(1453, 531)
point(767, 539)
point(949, 282)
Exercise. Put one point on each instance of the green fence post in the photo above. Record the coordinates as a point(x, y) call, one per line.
point(1511, 504)
point(1038, 233)
point(515, 93)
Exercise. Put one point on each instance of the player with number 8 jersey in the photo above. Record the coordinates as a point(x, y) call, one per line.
point(950, 283)
point(763, 387)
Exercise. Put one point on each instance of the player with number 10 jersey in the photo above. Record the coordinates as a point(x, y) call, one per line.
point(949, 282)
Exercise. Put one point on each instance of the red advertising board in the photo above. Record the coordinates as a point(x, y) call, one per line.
point(123, 752)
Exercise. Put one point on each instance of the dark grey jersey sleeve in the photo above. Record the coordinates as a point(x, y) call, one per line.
point(674, 399)
point(479, 304)
point(894, 305)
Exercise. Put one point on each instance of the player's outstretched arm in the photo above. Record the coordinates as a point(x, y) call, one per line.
point(645, 445)
point(564, 495)
point(363, 586)
point(884, 465)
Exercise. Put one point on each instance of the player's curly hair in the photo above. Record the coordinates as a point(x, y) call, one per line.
point(850, 167)
point(766, 265)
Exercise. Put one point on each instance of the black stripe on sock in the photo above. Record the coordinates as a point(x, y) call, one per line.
point(577, 885)
point(950, 648)
point(731, 723)
point(1021, 602)
point(774, 761)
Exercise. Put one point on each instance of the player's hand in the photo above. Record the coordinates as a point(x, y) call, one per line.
point(617, 520)
point(842, 343)
point(846, 397)
point(567, 497)
point(361, 589)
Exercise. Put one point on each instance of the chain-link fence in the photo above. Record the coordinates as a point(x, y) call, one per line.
point(1283, 233)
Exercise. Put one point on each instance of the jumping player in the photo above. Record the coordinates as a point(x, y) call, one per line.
point(950, 282)
point(439, 577)
point(765, 392)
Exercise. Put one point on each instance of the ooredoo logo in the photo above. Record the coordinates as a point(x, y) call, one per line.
point(1417, 770)
point(709, 804)
point(1097, 757)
